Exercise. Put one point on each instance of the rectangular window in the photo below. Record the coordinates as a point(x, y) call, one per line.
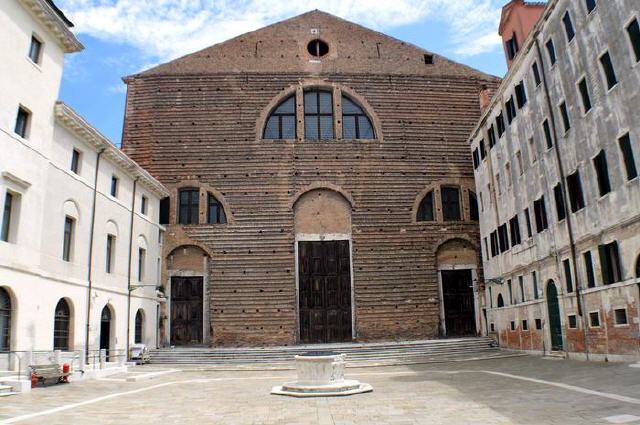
point(523, 296)
point(504, 238)
point(494, 244)
point(515, 231)
point(573, 321)
point(568, 26)
point(483, 152)
point(602, 172)
point(538, 324)
point(6, 217)
point(75, 161)
point(536, 74)
point(35, 50)
point(633, 30)
point(547, 134)
point(564, 112)
point(142, 256)
point(609, 72)
point(610, 263)
point(560, 207)
point(584, 94)
point(492, 136)
point(528, 220)
point(473, 207)
point(588, 265)
point(627, 155)
point(114, 186)
point(500, 124)
point(567, 275)
point(490, 298)
point(164, 207)
point(541, 214)
point(67, 242)
point(521, 94)
point(188, 209)
point(22, 122)
point(492, 326)
point(476, 159)
point(576, 197)
point(525, 325)
point(594, 319)
point(511, 110)
point(551, 51)
point(513, 325)
point(507, 174)
point(534, 279)
point(510, 291)
point(519, 163)
point(450, 203)
point(512, 47)
point(621, 317)
point(486, 249)
point(110, 251)
point(532, 151)
point(318, 115)
point(143, 204)
point(591, 5)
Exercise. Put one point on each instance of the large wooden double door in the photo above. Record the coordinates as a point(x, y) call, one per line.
point(459, 309)
point(186, 310)
point(324, 273)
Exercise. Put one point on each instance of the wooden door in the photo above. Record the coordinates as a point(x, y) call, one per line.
point(555, 325)
point(324, 275)
point(186, 310)
point(459, 309)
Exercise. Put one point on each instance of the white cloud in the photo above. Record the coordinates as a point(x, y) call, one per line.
point(165, 29)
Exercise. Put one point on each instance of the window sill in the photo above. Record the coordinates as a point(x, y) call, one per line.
point(613, 87)
point(626, 325)
point(37, 66)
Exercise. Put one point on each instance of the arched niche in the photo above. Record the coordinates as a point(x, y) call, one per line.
point(187, 258)
point(456, 252)
point(322, 212)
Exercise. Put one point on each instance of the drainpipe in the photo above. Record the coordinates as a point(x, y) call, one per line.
point(579, 295)
point(89, 261)
point(133, 204)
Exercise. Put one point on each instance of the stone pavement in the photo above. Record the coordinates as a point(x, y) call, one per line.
point(522, 390)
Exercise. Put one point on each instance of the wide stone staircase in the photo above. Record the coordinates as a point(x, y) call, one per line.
point(358, 354)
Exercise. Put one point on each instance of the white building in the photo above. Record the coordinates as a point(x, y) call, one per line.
point(79, 220)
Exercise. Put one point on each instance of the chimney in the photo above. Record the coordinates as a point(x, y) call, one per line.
point(517, 20)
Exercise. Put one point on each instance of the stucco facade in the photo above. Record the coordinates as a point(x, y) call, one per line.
point(58, 207)
point(559, 192)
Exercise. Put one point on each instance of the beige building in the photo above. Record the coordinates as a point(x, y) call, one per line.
point(556, 156)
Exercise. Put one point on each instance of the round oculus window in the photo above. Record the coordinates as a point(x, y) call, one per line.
point(317, 48)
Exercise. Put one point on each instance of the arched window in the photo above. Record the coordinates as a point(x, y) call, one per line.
point(425, 211)
point(139, 326)
point(105, 329)
point(500, 301)
point(355, 123)
point(473, 207)
point(282, 121)
point(215, 211)
point(318, 115)
point(61, 326)
point(5, 320)
point(188, 206)
point(638, 266)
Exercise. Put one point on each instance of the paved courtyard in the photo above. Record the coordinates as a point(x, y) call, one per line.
point(522, 390)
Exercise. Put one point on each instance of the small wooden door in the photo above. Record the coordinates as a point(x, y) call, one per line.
point(105, 330)
point(555, 325)
point(324, 274)
point(459, 309)
point(186, 310)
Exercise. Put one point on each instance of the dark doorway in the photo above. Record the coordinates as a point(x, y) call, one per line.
point(459, 311)
point(105, 330)
point(186, 310)
point(5, 320)
point(555, 326)
point(325, 291)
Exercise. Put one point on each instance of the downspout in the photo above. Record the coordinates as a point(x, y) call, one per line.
point(90, 262)
point(129, 289)
point(563, 186)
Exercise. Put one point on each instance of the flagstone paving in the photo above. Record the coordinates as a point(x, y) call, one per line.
point(523, 390)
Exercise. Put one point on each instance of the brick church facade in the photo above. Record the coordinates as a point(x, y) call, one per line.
point(322, 188)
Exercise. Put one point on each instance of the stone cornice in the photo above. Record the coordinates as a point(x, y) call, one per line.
point(44, 13)
point(69, 119)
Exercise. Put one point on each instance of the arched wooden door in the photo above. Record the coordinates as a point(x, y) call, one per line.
point(555, 324)
point(5, 320)
point(61, 326)
point(105, 329)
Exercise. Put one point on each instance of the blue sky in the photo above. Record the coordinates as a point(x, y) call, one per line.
point(123, 37)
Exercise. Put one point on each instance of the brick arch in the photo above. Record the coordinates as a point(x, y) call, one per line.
point(322, 185)
point(336, 88)
point(446, 242)
point(177, 245)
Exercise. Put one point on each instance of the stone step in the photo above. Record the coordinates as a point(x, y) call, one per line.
point(6, 390)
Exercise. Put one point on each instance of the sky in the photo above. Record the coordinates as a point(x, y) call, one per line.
point(123, 37)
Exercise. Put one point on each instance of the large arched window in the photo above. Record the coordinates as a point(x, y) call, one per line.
point(318, 115)
point(282, 121)
point(139, 326)
point(5, 320)
point(425, 210)
point(215, 211)
point(355, 123)
point(61, 326)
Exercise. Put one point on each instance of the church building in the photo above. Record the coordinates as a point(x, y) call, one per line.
point(322, 187)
